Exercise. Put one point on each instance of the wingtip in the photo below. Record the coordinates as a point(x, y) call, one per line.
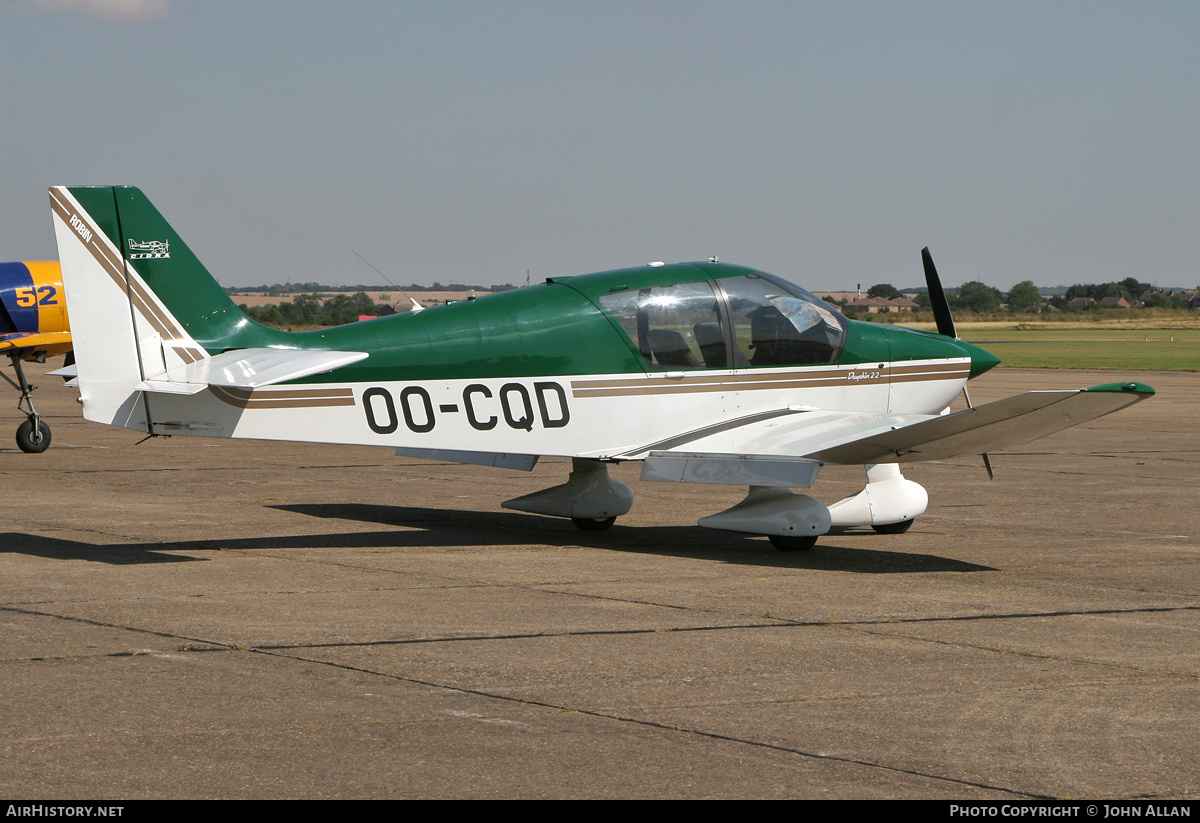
point(1131, 386)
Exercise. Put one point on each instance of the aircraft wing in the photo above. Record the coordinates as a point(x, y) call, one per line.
point(1003, 424)
point(248, 369)
point(35, 340)
point(788, 447)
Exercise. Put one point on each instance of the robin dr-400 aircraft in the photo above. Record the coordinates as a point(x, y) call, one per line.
point(705, 372)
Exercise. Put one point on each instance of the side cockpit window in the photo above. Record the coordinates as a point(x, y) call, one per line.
point(750, 321)
point(674, 327)
point(776, 323)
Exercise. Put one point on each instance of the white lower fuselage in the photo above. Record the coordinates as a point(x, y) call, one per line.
point(603, 416)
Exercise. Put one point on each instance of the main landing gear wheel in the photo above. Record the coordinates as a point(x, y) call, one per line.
point(33, 436)
point(589, 524)
point(893, 528)
point(788, 543)
point(31, 440)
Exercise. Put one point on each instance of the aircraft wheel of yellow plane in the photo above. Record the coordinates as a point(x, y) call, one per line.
point(589, 524)
point(893, 528)
point(33, 441)
point(787, 543)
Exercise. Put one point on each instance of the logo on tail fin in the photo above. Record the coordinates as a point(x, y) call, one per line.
point(148, 249)
point(79, 227)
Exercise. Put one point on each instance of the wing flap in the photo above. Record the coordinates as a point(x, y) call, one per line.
point(731, 469)
point(522, 462)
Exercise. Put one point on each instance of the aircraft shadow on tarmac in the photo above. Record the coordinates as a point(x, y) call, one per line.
point(424, 527)
point(454, 527)
point(116, 554)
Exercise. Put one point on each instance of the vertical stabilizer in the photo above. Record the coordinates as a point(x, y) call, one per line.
point(163, 261)
point(147, 319)
point(110, 301)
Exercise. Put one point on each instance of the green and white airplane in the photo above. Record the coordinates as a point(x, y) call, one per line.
point(704, 372)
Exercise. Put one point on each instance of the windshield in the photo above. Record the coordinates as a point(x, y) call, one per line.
point(777, 323)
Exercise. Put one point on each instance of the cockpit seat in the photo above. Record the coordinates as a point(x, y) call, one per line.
point(670, 349)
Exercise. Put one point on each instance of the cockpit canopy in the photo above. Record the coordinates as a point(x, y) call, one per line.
point(749, 321)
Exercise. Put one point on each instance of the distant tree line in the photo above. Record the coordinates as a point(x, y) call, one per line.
point(310, 310)
point(972, 296)
point(1130, 288)
point(978, 297)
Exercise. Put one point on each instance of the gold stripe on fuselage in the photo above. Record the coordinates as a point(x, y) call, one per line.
point(292, 398)
point(751, 380)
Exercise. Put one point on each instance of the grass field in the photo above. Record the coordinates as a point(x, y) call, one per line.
point(1058, 346)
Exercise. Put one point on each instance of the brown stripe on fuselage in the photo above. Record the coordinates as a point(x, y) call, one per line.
point(283, 398)
point(752, 381)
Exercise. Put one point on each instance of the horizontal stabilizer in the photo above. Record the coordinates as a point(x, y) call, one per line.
point(66, 371)
point(248, 369)
point(1003, 424)
point(169, 387)
point(69, 374)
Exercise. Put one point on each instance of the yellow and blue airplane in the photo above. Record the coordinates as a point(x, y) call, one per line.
point(33, 326)
point(702, 372)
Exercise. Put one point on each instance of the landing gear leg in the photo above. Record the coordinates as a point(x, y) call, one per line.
point(33, 436)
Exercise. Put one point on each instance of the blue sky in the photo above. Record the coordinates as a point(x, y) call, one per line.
point(473, 141)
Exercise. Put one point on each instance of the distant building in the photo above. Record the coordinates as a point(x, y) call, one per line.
point(837, 296)
point(874, 305)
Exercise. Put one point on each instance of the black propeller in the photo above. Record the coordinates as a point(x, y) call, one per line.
point(945, 324)
point(937, 297)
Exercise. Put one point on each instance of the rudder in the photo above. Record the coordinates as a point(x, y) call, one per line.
point(122, 331)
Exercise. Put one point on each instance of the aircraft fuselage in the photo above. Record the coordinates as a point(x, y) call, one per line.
point(604, 365)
